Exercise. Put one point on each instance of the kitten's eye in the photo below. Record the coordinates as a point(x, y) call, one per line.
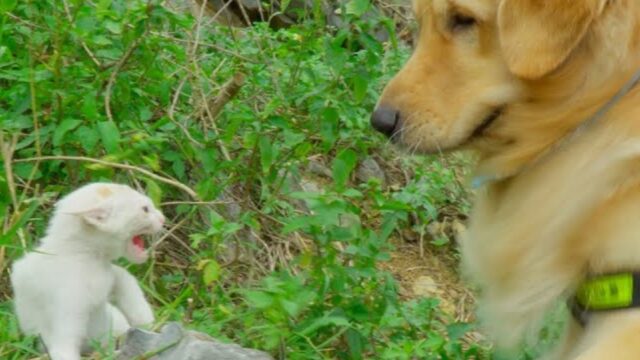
point(461, 22)
point(145, 209)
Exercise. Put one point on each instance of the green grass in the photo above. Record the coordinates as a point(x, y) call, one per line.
point(132, 83)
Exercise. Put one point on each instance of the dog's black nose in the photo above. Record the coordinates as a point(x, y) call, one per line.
point(385, 119)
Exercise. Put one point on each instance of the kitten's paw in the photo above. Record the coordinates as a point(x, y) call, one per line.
point(64, 355)
point(119, 323)
point(143, 316)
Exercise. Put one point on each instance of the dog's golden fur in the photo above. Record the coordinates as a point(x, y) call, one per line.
point(549, 216)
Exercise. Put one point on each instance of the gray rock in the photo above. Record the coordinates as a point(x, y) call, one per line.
point(369, 169)
point(296, 11)
point(310, 186)
point(349, 220)
point(175, 343)
point(317, 168)
point(231, 208)
point(293, 182)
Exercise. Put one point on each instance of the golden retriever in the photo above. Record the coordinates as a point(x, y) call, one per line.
point(514, 80)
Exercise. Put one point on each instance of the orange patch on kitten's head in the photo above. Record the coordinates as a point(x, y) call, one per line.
point(104, 192)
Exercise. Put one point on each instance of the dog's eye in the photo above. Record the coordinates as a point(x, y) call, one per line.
point(461, 22)
point(145, 209)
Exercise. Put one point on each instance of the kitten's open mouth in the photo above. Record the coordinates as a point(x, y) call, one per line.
point(138, 243)
point(136, 251)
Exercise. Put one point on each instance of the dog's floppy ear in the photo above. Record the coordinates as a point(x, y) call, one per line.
point(537, 36)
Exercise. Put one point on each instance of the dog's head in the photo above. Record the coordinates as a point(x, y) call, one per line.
point(472, 60)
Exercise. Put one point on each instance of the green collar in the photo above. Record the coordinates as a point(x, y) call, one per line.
point(606, 292)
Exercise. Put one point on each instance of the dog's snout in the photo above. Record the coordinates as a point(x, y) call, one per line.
point(385, 119)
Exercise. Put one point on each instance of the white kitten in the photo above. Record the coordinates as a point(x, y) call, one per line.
point(68, 291)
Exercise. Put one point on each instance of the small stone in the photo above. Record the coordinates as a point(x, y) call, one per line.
point(310, 186)
point(436, 229)
point(459, 229)
point(231, 208)
point(349, 220)
point(425, 286)
point(370, 169)
point(295, 183)
point(317, 168)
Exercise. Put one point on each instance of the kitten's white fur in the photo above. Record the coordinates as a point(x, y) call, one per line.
point(68, 291)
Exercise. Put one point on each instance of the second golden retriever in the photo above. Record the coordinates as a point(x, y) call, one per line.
point(519, 82)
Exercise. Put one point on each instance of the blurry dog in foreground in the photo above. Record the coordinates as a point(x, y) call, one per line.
point(544, 92)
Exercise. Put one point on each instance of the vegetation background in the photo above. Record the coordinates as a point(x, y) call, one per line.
point(293, 227)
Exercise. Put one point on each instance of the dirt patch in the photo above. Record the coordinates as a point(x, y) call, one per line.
point(434, 275)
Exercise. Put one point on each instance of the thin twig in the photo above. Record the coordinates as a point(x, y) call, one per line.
point(272, 262)
point(84, 45)
point(205, 203)
point(171, 113)
point(36, 122)
point(27, 23)
point(212, 109)
point(194, 47)
point(120, 64)
point(176, 96)
point(244, 13)
point(186, 246)
point(208, 45)
point(114, 75)
point(148, 173)
point(167, 234)
point(7, 150)
point(229, 90)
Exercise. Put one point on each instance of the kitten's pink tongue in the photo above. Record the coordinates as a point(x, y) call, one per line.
point(138, 242)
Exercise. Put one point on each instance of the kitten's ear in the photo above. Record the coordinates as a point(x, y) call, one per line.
point(96, 215)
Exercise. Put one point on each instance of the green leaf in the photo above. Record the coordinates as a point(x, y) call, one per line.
point(87, 137)
point(329, 125)
point(90, 106)
point(360, 84)
point(335, 52)
point(267, 153)
point(7, 5)
point(110, 136)
point(154, 192)
point(101, 40)
point(284, 5)
point(258, 299)
point(113, 27)
point(8, 236)
point(179, 168)
point(64, 127)
point(457, 330)
point(357, 7)
point(296, 223)
point(325, 321)
point(343, 165)
point(440, 241)
point(145, 114)
point(290, 307)
point(354, 340)
point(211, 272)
